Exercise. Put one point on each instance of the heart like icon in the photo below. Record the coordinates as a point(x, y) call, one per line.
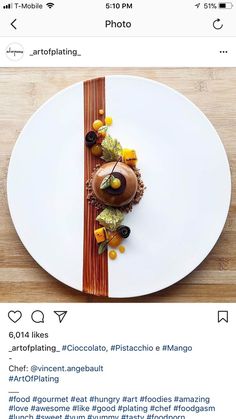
point(14, 316)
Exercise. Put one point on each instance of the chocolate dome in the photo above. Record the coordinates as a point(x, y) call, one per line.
point(116, 198)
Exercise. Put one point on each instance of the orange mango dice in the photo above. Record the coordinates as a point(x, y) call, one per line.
point(129, 157)
point(100, 234)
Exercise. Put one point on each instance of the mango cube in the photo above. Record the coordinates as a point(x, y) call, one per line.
point(100, 234)
point(129, 157)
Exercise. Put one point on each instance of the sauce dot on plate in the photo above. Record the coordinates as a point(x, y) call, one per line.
point(112, 254)
point(122, 249)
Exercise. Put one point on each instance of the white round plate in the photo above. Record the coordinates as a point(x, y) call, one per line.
point(183, 164)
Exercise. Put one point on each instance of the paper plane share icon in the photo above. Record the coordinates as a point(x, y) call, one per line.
point(61, 315)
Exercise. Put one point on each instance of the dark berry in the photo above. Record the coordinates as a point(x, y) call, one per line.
point(124, 231)
point(90, 138)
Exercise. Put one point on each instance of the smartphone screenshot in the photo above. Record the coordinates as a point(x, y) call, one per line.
point(117, 209)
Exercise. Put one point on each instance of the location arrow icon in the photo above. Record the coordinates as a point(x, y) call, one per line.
point(61, 315)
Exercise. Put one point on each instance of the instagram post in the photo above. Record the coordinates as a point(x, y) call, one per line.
point(175, 212)
point(117, 215)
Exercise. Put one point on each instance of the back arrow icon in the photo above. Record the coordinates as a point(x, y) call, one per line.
point(12, 24)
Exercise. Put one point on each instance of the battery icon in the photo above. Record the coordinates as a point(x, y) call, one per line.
point(226, 5)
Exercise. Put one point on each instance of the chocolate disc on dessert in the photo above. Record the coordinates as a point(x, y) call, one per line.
point(120, 196)
point(118, 190)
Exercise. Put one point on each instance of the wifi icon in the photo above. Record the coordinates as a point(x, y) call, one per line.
point(50, 5)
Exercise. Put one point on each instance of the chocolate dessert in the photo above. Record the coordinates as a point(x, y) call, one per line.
point(124, 188)
point(113, 187)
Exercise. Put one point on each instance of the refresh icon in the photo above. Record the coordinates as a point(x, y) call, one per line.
point(217, 24)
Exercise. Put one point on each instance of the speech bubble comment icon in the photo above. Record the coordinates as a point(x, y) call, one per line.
point(37, 316)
